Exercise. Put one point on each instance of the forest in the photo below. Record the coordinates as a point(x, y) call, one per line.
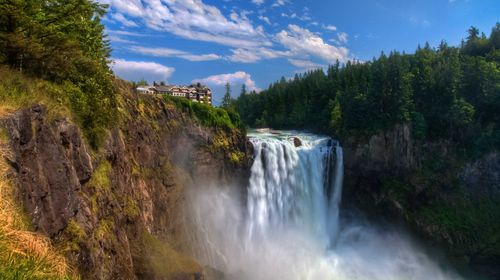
point(445, 93)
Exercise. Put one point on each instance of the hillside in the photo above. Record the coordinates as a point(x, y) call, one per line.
point(118, 210)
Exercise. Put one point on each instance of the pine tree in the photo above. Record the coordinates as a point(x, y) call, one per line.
point(227, 102)
point(62, 41)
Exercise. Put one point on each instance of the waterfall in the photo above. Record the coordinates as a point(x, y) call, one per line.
point(287, 226)
point(291, 187)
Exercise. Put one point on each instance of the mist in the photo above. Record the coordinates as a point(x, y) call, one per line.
point(287, 226)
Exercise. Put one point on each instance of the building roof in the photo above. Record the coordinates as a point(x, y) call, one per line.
point(164, 88)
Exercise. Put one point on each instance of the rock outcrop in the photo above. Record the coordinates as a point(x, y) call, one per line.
point(444, 196)
point(119, 213)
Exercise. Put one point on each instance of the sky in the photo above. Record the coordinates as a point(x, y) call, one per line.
point(256, 42)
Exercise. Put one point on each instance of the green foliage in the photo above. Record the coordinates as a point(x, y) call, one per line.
point(396, 190)
point(64, 42)
point(207, 115)
point(445, 93)
point(142, 82)
point(18, 91)
point(62, 100)
point(462, 218)
point(419, 126)
point(227, 101)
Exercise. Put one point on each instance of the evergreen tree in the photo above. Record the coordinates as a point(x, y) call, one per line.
point(227, 102)
point(444, 93)
point(142, 82)
point(62, 41)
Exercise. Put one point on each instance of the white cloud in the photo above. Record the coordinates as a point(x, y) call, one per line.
point(293, 15)
point(129, 7)
point(258, 2)
point(301, 41)
point(123, 20)
point(118, 39)
point(195, 20)
point(343, 37)
point(254, 55)
point(165, 52)
point(137, 70)
point(421, 22)
point(330, 27)
point(239, 77)
point(265, 19)
point(279, 3)
point(192, 19)
point(305, 64)
point(125, 33)
point(304, 17)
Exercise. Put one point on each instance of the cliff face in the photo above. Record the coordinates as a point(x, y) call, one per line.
point(446, 197)
point(119, 213)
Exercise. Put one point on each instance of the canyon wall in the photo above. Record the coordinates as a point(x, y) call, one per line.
point(445, 196)
point(120, 212)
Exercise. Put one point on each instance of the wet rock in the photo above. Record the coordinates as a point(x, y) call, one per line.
point(297, 142)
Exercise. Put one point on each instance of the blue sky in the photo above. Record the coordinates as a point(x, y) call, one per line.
point(256, 42)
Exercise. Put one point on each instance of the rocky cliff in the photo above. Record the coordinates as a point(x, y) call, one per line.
point(445, 196)
point(119, 212)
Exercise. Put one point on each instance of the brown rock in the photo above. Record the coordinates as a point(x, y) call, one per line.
point(153, 155)
point(297, 142)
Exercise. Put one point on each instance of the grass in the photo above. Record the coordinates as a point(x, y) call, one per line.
point(66, 100)
point(24, 254)
point(18, 91)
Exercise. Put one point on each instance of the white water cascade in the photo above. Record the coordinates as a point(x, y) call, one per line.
point(287, 225)
point(293, 187)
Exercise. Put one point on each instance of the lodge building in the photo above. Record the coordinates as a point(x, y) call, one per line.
point(195, 93)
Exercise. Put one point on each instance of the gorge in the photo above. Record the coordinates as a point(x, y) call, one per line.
point(181, 191)
point(358, 169)
point(288, 227)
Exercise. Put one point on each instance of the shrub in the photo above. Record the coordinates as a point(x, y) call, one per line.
point(207, 115)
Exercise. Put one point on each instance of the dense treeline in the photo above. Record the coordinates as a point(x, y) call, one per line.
point(445, 92)
point(62, 41)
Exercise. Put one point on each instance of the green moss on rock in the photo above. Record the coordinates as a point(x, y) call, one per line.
point(155, 259)
point(75, 235)
point(100, 178)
